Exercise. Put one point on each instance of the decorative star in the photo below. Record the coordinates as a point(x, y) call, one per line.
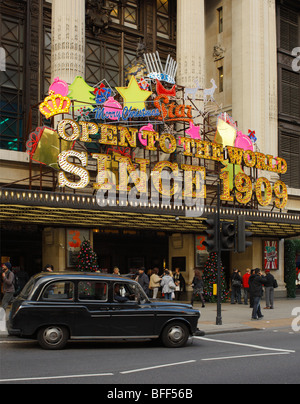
point(133, 95)
point(193, 131)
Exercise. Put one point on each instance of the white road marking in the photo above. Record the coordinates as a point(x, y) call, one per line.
point(24, 379)
point(156, 367)
point(247, 345)
point(245, 356)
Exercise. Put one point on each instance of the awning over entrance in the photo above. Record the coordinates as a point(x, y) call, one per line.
point(57, 209)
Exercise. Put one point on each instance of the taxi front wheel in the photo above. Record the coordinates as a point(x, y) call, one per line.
point(175, 335)
point(53, 337)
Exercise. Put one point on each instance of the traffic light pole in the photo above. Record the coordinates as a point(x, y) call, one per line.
point(219, 249)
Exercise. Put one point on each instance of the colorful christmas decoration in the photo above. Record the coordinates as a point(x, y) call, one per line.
point(102, 93)
point(193, 131)
point(210, 278)
point(112, 109)
point(148, 128)
point(87, 258)
point(226, 133)
point(243, 142)
point(44, 146)
point(161, 90)
point(156, 70)
point(133, 96)
point(251, 134)
point(55, 104)
point(82, 92)
point(59, 87)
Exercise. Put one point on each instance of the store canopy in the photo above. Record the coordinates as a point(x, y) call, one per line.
point(57, 209)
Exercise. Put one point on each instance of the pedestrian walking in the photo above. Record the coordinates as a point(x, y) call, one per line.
point(252, 276)
point(269, 289)
point(198, 287)
point(246, 285)
point(8, 285)
point(236, 286)
point(179, 282)
point(168, 285)
point(143, 280)
point(155, 280)
point(257, 290)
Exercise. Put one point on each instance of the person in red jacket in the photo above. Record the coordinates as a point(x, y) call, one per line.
point(246, 285)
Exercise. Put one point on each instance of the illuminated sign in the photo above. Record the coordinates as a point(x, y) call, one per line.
point(123, 137)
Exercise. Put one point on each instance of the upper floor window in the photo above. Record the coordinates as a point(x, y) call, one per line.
point(289, 29)
point(220, 19)
point(11, 83)
point(126, 14)
point(163, 20)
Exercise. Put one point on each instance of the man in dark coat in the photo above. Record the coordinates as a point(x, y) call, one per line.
point(257, 292)
point(143, 280)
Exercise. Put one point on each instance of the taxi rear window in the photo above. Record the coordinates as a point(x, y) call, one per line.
point(92, 291)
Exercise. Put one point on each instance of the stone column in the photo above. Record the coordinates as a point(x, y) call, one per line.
point(68, 39)
point(190, 42)
point(191, 45)
point(254, 71)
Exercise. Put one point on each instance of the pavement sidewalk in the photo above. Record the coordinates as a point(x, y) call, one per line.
point(237, 317)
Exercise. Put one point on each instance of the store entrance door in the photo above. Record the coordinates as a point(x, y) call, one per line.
point(129, 250)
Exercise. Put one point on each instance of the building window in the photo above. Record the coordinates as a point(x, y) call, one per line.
point(47, 60)
point(221, 79)
point(289, 29)
point(131, 15)
point(163, 20)
point(290, 89)
point(11, 83)
point(102, 62)
point(220, 19)
point(290, 151)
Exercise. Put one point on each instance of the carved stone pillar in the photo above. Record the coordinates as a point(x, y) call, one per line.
point(191, 45)
point(190, 42)
point(254, 71)
point(68, 39)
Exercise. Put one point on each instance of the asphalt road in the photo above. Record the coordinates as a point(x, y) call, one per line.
point(260, 357)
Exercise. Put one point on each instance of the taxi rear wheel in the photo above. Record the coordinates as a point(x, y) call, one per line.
point(175, 335)
point(53, 337)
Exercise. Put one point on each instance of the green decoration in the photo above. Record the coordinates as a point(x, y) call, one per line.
point(80, 91)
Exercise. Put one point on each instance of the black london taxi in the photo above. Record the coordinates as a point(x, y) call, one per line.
point(57, 307)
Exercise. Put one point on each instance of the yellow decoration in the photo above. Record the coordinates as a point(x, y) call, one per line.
point(139, 177)
point(62, 130)
point(268, 191)
point(244, 186)
point(280, 195)
point(172, 146)
point(55, 104)
point(226, 187)
point(232, 170)
point(74, 169)
point(133, 96)
point(225, 134)
point(88, 128)
point(48, 148)
point(103, 174)
point(157, 178)
point(198, 181)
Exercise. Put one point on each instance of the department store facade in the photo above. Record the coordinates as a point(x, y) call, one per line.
point(239, 44)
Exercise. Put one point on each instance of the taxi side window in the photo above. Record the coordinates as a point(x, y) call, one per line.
point(59, 291)
point(92, 291)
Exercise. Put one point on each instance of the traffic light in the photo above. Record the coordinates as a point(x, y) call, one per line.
point(242, 234)
point(212, 233)
point(228, 236)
